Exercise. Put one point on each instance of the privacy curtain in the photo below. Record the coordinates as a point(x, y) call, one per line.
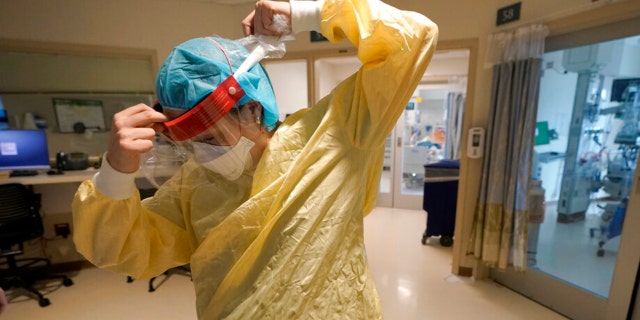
point(454, 109)
point(499, 234)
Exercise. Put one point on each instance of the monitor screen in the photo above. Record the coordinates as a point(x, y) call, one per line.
point(618, 87)
point(23, 150)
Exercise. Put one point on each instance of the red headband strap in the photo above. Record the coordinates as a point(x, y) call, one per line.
point(206, 112)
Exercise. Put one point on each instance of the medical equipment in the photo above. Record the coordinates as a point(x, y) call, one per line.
point(592, 164)
point(440, 199)
point(611, 223)
point(620, 169)
point(577, 186)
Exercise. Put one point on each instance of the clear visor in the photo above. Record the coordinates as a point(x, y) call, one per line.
point(223, 149)
point(206, 113)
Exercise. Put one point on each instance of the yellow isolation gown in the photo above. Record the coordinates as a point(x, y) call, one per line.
point(287, 242)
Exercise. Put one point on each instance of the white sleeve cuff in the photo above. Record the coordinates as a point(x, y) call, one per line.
point(305, 15)
point(114, 184)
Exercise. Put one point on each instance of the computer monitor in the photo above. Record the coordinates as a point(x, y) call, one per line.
point(23, 150)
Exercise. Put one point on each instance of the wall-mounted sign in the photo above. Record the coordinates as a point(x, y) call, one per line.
point(508, 14)
point(75, 115)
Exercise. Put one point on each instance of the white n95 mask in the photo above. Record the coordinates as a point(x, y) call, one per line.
point(228, 161)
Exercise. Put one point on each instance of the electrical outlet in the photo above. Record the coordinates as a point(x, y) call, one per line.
point(62, 229)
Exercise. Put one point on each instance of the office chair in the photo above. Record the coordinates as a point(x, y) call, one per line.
point(181, 270)
point(20, 221)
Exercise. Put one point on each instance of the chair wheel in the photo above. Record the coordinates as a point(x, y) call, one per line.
point(446, 241)
point(424, 240)
point(67, 282)
point(600, 253)
point(44, 302)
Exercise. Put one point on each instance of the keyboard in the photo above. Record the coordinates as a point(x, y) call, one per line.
point(23, 173)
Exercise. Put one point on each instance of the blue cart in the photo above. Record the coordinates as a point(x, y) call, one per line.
point(439, 201)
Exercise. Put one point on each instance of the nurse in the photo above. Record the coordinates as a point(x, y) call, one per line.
point(268, 215)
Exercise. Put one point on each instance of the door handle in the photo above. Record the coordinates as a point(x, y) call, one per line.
point(399, 142)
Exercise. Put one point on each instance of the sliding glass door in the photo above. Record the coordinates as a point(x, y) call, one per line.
point(582, 248)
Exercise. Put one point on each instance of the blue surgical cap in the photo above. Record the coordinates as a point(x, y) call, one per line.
point(196, 67)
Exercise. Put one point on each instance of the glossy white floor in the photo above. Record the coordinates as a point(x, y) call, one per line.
point(414, 282)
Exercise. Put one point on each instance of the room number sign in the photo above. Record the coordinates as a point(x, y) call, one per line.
point(509, 14)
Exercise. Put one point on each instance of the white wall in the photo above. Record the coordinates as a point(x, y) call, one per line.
point(289, 80)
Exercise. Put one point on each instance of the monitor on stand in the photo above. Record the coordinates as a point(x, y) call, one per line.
point(24, 152)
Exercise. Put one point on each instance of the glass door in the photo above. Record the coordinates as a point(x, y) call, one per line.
point(428, 131)
point(581, 261)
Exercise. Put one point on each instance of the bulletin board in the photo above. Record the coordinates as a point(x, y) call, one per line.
point(70, 112)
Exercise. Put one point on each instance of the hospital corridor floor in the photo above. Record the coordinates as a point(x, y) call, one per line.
point(414, 282)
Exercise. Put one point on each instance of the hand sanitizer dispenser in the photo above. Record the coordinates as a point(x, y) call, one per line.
point(475, 144)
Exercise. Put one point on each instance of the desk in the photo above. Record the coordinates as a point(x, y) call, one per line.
point(69, 177)
point(43, 178)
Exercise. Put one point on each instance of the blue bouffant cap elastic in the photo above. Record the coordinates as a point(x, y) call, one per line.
point(196, 67)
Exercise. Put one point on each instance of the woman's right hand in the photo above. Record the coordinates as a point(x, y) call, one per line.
point(132, 132)
point(261, 21)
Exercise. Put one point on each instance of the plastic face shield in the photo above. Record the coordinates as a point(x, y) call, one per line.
point(223, 147)
point(206, 113)
point(189, 134)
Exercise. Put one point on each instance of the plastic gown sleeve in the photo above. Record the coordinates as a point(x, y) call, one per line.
point(395, 48)
point(124, 237)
